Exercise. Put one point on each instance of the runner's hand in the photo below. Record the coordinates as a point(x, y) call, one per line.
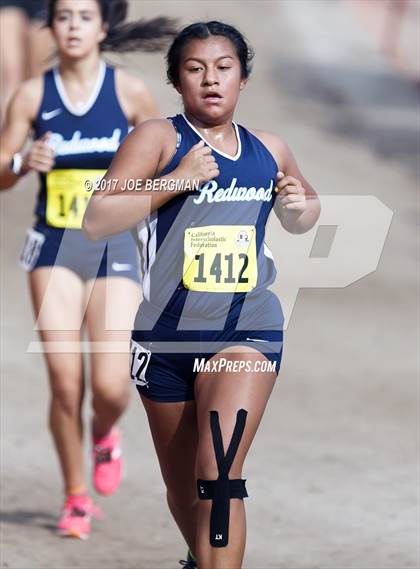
point(199, 164)
point(291, 193)
point(40, 156)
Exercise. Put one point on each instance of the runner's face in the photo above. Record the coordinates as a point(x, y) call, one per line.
point(78, 27)
point(210, 79)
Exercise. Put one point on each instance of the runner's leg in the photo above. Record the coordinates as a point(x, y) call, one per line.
point(174, 432)
point(57, 295)
point(226, 393)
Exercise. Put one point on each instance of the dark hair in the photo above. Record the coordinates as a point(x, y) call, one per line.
point(147, 35)
point(203, 30)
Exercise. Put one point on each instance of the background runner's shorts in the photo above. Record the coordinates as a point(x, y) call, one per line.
point(165, 361)
point(47, 246)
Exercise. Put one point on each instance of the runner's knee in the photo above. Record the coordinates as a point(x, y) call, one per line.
point(67, 395)
point(113, 396)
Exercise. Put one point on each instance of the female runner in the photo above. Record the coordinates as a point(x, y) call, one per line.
point(207, 343)
point(80, 111)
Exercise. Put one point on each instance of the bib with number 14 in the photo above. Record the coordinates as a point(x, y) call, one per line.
point(68, 194)
point(220, 258)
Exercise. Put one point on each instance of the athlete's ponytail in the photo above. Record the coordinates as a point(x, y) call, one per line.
point(145, 35)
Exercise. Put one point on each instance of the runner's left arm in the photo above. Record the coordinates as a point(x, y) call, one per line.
point(297, 205)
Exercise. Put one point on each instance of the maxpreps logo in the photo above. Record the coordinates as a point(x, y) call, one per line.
point(79, 145)
point(233, 193)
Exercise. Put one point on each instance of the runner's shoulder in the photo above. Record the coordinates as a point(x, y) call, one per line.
point(27, 98)
point(136, 99)
point(274, 143)
point(130, 84)
point(159, 130)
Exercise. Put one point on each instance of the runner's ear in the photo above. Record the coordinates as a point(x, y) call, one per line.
point(104, 32)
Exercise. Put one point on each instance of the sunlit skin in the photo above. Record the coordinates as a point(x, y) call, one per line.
point(210, 83)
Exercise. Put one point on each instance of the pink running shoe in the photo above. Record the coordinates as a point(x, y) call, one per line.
point(76, 515)
point(107, 461)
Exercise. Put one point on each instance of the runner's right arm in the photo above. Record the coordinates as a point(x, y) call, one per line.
point(20, 114)
point(141, 157)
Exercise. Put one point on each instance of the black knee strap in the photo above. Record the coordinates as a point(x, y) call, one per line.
point(206, 489)
point(223, 489)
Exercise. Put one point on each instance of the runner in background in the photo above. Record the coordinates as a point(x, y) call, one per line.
point(80, 111)
point(392, 32)
point(25, 44)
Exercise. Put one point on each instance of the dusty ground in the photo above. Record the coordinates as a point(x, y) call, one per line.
point(333, 473)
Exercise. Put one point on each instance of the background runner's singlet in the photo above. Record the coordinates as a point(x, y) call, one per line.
point(85, 140)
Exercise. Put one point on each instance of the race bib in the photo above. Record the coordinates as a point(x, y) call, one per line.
point(68, 193)
point(140, 358)
point(31, 250)
point(220, 258)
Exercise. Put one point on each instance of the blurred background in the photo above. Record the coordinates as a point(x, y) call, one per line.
point(333, 472)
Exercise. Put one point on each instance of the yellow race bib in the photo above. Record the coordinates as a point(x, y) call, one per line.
point(68, 193)
point(220, 258)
